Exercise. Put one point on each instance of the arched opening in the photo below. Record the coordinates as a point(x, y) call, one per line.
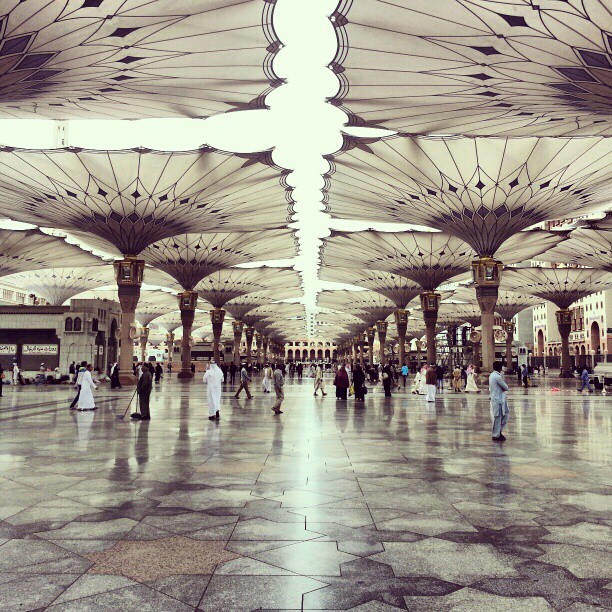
point(320, 354)
point(582, 349)
point(312, 354)
point(68, 324)
point(78, 324)
point(327, 354)
point(540, 343)
point(595, 338)
point(554, 351)
point(290, 354)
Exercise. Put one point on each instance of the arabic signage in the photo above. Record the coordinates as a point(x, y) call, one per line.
point(39, 349)
point(8, 349)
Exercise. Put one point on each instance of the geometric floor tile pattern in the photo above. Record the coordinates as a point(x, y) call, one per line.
point(395, 505)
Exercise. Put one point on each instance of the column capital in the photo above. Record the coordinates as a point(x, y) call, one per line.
point(486, 272)
point(217, 316)
point(249, 332)
point(371, 334)
point(401, 316)
point(188, 300)
point(381, 327)
point(508, 327)
point(237, 326)
point(129, 271)
point(430, 301)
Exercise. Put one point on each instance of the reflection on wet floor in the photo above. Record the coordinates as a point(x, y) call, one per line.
point(393, 505)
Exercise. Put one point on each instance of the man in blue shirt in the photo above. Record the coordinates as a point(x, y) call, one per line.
point(584, 377)
point(404, 373)
point(499, 401)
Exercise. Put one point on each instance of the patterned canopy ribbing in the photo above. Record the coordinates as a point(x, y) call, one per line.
point(133, 59)
point(25, 250)
point(57, 285)
point(400, 290)
point(483, 190)
point(123, 201)
point(561, 286)
point(427, 258)
point(476, 67)
point(189, 258)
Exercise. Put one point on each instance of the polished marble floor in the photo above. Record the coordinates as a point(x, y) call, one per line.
point(394, 505)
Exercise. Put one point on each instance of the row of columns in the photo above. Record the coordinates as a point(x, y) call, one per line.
point(129, 276)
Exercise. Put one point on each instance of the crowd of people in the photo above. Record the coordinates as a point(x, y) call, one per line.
point(348, 381)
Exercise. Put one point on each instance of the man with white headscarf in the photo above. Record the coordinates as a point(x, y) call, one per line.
point(213, 377)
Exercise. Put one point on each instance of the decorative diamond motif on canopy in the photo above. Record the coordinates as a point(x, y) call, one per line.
point(21, 251)
point(240, 307)
point(428, 258)
point(123, 201)
point(134, 59)
point(57, 285)
point(400, 290)
point(438, 183)
point(221, 287)
point(476, 67)
point(189, 258)
point(369, 306)
point(561, 286)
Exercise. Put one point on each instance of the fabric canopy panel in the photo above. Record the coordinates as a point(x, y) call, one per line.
point(171, 322)
point(23, 250)
point(134, 59)
point(123, 201)
point(189, 258)
point(561, 286)
point(368, 305)
point(586, 247)
point(240, 307)
point(400, 290)
point(221, 287)
point(476, 67)
point(427, 258)
point(456, 314)
point(483, 190)
point(57, 285)
point(509, 303)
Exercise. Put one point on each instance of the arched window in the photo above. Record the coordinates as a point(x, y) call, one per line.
point(320, 354)
point(78, 324)
point(94, 325)
point(68, 324)
point(312, 354)
point(327, 354)
point(290, 354)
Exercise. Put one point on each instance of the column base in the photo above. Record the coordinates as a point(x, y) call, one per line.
point(185, 374)
point(127, 378)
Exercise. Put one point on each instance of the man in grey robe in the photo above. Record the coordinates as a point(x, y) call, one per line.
point(499, 401)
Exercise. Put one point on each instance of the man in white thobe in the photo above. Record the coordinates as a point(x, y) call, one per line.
point(213, 378)
point(318, 381)
point(86, 398)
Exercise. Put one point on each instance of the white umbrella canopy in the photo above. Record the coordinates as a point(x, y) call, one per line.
point(33, 250)
point(400, 290)
point(131, 59)
point(482, 190)
point(123, 201)
point(561, 286)
point(478, 68)
point(368, 305)
point(58, 285)
point(189, 258)
point(231, 283)
point(428, 258)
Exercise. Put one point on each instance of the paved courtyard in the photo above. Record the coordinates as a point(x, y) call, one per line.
point(394, 505)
